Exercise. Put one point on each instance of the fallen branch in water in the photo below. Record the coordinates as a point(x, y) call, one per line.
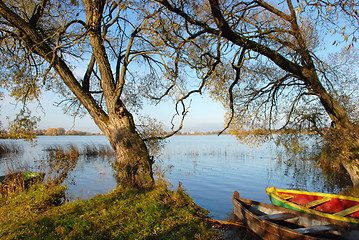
point(224, 223)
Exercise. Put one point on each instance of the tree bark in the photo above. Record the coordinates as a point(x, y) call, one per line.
point(134, 164)
point(352, 169)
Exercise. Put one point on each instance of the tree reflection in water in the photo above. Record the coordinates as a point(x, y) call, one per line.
point(311, 163)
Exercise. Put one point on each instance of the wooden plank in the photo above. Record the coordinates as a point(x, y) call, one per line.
point(347, 211)
point(317, 202)
point(277, 216)
point(314, 229)
point(285, 196)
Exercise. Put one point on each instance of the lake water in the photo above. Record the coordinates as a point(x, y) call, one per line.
point(209, 167)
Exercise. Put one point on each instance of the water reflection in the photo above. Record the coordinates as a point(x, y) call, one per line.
point(212, 167)
point(304, 167)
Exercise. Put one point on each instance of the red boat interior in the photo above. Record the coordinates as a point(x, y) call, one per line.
point(341, 207)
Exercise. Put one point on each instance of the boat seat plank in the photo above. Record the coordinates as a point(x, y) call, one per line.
point(286, 196)
point(277, 216)
point(314, 229)
point(347, 211)
point(317, 202)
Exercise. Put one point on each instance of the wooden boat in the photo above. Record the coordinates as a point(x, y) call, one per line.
point(27, 177)
point(273, 222)
point(332, 206)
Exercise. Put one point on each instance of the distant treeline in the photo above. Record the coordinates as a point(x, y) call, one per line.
point(200, 133)
point(61, 132)
point(251, 132)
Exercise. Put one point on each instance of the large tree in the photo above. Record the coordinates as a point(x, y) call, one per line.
point(272, 64)
point(43, 44)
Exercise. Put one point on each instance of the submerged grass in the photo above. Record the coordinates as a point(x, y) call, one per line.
point(121, 214)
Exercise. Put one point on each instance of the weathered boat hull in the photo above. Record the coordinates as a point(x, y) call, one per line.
point(332, 206)
point(273, 222)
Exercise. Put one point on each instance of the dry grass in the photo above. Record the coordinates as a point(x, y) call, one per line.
point(11, 183)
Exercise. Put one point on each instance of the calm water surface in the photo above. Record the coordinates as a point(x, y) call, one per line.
point(209, 167)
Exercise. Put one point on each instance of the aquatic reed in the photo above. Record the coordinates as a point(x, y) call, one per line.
point(99, 150)
point(60, 162)
point(10, 148)
point(13, 181)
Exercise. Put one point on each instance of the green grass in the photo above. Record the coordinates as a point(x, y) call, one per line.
point(120, 214)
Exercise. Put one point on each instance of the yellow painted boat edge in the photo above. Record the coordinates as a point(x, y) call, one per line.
point(272, 191)
point(318, 194)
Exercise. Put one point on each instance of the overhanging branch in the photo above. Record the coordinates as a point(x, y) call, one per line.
point(230, 90)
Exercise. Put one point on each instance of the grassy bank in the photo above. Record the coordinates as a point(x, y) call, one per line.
point(120, 214)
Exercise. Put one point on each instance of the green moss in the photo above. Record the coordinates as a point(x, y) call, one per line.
point(120, 214)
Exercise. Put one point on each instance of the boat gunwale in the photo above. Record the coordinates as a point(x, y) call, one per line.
point(355, 199)
point(272, 194)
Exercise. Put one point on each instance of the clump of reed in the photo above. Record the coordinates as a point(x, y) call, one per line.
point(68, 151)
point(89, 150)
point(60, 162)
point(98, 150)
point(10, 148)
point(11, 183)
point(18, 181)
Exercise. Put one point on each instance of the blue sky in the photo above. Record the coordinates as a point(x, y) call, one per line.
point(204, 114)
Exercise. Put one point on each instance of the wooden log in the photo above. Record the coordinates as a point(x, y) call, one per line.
point(224, 223)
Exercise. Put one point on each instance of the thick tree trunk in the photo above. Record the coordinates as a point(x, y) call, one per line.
point(348, 144)
point(352, 168)
point(133, 160)
point(134, 164)
point(345, 140)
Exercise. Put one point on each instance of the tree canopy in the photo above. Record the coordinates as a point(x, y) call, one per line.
point(273, 65)
point(43, 43)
